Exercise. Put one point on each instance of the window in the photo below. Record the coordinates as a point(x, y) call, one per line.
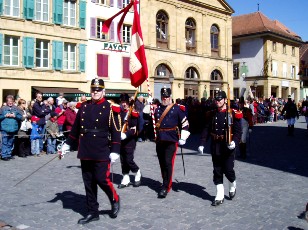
point(41, 54)
point(11, 8)
point(162, 71)
point(284, 49)
point(191, 73)
point(125, 3)
point(292, 71)
point(99, 33)
point(126, 33)
point(190, 33)
point(103, 2)
point(102, 65)
point(216, 75)
point(214, 40)
point(11, 51)
point(236, 48)
point(274, 44)
point(284, 69)
point(126, 73)
point(41, 10)
point(69, 13)
point(293, 51)
point(161, 30)
point(69, 56)
point(236, 70)
point(275, 68)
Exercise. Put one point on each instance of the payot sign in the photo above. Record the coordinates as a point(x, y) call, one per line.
point(117, 47)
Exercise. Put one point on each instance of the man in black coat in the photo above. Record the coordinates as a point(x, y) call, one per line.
point(291, 112)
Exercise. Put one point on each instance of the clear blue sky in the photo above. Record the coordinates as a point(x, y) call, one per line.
point(292, 13)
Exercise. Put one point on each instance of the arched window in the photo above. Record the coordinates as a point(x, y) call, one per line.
point(191, 73)
point(162, 71)
point(190, 34)
point(162, 29)
point(214, 40)
point(216, 75)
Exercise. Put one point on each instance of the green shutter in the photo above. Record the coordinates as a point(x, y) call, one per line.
point(59, 55)
point(82, 57)
point(82, 14)
point(1, 7)
point(28, 9)
point(54, 46)
point(57, 7)
point(1, 47)
point(28, 52)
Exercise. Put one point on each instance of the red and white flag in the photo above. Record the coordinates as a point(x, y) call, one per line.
point(138, 64)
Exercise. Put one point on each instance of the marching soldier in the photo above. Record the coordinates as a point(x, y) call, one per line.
point(223, 154)
point(247, 124)
point(129, 120)
point(169, 117)
point(96, 120)
point(291, 113)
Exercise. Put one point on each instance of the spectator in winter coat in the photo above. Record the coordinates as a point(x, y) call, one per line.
point(70, 115)
point(52, 130)
point(35, 136)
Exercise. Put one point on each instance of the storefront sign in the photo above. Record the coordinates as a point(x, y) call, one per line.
point(285, 83)
point(117, 47)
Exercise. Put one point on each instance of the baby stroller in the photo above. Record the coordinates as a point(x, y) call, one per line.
point(60, 141)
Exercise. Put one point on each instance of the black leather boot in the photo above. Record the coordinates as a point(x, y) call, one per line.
point(89, 218)
point(243, 150)
point(115, 208)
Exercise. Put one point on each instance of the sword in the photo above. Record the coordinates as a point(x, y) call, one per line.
point(37, 170)
point(183, 159)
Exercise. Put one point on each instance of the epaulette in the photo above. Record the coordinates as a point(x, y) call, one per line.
point(238, 114)
point(135, 114)
point(116, 108)
point(183, 108)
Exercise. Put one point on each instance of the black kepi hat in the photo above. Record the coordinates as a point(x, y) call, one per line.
point(165, 92)
point(220, 95)
point(124, 97)
point(97, 84)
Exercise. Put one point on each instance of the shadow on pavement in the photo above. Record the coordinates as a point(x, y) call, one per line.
point(192, 189)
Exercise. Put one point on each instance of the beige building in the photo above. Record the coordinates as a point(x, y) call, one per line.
point(266, 57)
point(188, 46)
point(42, 47)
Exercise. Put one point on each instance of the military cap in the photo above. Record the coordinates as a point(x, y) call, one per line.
point(165, 92)
point(97, 84)
point(220, 95)
point(124, 97)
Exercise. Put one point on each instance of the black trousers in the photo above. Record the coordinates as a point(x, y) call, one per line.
point(166, 152)
point(223, 162)
point(127, 160)
point(97, 173)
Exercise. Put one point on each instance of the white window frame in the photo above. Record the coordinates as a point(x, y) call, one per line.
point(292, 75)
point(40, 12)
point(8, 5)
point(126, 33)
point(39, 46)
point(10, 47)
point(99, 33)
point(69, 18)
point(125, 3)
point(69, 56)
point(275, 68)
point(284, 70)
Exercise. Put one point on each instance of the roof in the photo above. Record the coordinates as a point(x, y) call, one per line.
point(255, 23)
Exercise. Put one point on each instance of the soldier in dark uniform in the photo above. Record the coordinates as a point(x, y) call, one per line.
point(223, 154)
point(168, 139)
point(97, 120)
point(291, 112)
point(129, 134)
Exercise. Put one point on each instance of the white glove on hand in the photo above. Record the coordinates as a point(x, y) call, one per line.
point(250, 130)
point(200, 149)
point(232, 145)
point(182, 142)
point(123, 136)
point(113, 157)
point(64, 150)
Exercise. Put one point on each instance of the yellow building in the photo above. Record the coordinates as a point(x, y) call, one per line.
point(266, 57)
point(42, 47)
point(188, 46)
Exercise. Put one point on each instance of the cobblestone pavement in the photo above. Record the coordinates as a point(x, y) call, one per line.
point(272, 189)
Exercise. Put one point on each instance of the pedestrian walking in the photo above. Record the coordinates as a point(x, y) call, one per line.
point(129, 121)
point(291, 112)
point(169, 117)
point(96, 120)
point(223, 153)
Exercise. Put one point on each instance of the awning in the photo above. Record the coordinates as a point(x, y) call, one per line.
point(74, 92)
point(54, 92)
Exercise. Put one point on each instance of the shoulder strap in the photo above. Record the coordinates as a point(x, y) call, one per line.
point(163, 115)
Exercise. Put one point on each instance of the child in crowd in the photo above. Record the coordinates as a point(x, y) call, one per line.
point(35, 136)
point(52, 130)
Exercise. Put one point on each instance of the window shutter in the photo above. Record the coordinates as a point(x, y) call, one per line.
point(82, 57)
point(1, 7)
point(54, 45)
point(57, 55)
point(111, 35)
point(121, 32)
point(29, 9)
point(120, 4)
point(102, 65)
point(82, 14)
point(111, 2)
point(1, 47)
point(28, 52)
point(93, 27)
point(58, 11)
point(25, 8)
point(126, 73)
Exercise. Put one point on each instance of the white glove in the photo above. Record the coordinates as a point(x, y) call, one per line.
point(184, 134)
point(182, 142)
point(232, 145)
point(64, 150)
point(200, 149)
point(123, 136)
point(250, 130)
point(113, 157)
